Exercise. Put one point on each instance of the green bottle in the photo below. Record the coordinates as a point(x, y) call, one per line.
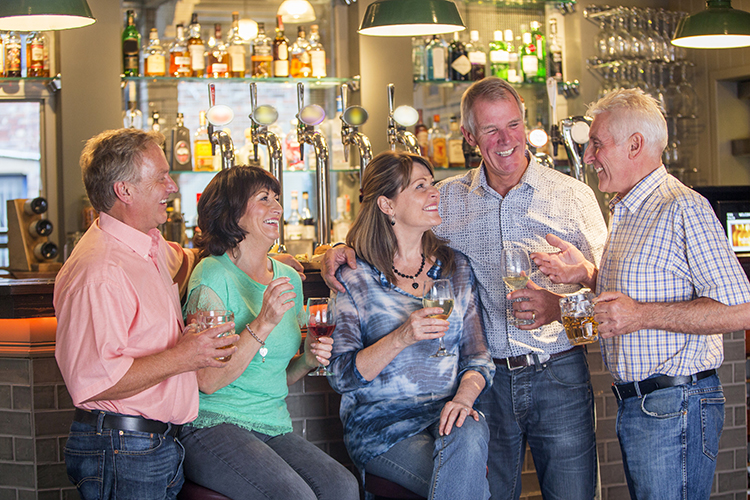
point(499, 57)
point(131, 44)
point(537, 38)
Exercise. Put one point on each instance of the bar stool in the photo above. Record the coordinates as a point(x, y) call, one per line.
point(193, 491)
point(383, 489)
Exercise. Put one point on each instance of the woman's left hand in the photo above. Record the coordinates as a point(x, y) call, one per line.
point(455, 412)
point(318, 351)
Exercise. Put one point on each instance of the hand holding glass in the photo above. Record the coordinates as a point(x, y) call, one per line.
point(209, 319)
point(577, 311)
point(439, 293)
point(516, 268)
point(321, 321)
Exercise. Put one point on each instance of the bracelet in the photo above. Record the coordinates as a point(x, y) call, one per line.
point(263, 349)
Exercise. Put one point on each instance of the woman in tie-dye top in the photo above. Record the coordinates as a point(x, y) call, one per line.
point(407, 416)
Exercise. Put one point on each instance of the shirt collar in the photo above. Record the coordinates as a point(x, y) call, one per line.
point(141, 243)
point(641, 191)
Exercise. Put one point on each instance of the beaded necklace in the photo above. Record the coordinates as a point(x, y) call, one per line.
point(414, 285)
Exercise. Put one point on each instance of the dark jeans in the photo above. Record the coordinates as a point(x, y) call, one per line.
point(248, 465)
point(551, 407)
point(123, 465)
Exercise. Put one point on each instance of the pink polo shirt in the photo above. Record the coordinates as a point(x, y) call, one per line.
point(115, 300)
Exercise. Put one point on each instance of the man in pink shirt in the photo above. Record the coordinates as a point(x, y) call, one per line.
point(127, 359)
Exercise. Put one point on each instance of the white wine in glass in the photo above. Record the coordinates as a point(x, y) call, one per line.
point(516, 268)
point(439, 293)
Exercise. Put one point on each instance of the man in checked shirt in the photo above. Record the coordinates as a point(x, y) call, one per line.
point(667, 272)
point(541, 393)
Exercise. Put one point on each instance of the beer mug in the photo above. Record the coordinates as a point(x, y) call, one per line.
point(578, 317)
point(209, 319)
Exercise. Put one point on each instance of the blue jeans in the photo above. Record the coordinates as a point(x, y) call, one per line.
point(452, 467)
point(551, 408)
point(123, 465)
point(681, 426)
point(245, 464)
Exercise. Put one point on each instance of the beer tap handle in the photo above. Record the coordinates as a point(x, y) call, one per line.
point(253, 96)
point(211, 104)
point(300, 125)
point(391, 96)
point(344, 125)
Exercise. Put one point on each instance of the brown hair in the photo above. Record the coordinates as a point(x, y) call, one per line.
point(371, 234)
point(111, 157)
point(489, 89)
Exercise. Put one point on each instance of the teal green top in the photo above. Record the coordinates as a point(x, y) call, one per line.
point(256, 400)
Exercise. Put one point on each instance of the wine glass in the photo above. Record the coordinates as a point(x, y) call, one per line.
point(439, 293)
point(215, 317)
point(321, 320)
point(516, 268)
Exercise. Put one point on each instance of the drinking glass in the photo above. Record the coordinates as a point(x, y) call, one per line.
point(321, 320)
point(577, 312)
point(516, 268)
point(215, 317)
point(439, 293)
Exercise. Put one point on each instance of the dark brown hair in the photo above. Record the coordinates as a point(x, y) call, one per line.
point(223, 204)
point(371, 235)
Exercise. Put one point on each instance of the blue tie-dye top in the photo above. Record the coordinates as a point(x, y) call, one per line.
point(408, 395)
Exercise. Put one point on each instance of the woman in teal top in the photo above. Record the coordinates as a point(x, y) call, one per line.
point(242, 444)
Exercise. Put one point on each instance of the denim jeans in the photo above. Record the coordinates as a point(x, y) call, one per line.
point(123, 465)
point(245, 464)
point(681, 426)
point(551, 408)
point(451, 467)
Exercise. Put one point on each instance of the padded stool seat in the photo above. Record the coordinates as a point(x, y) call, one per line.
point(384, 489)
point(193, 491)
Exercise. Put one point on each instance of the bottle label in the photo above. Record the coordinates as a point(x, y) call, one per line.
point(439, 153)
point(196, 56)
point(455, 152)
point(238, 58)
point(182, 152)
point(281, 68)
point(530, 64)
point(319, 64)
point(203, 158)
point(438, 63)
point(478, 58)
point(499, 56)
point(155, 64)
point(461, 65)
point(182, 61)
point(37, 52)
point(283, 52)
point(219, 68)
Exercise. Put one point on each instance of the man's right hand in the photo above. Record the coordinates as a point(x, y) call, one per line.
point(566, 266)
point(201, 349)
point(332, 260)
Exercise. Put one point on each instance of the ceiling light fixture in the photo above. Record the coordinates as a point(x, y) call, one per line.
point(411, 18)
point(296, 11)
point(718, 27)
point(44, 15)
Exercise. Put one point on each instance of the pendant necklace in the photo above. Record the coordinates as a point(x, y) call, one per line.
point(414, 285)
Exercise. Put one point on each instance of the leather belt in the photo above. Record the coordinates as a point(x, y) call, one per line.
point(125, 422)
point(632, 389)
point(531, 359)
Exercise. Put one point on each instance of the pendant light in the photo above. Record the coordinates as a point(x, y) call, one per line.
point(718, 27)
point(296, 11)
point(44, 15)
point(411, 18)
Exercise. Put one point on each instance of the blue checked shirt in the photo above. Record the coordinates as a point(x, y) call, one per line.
point(409, 394)
point(666, 245)
point(477, 221)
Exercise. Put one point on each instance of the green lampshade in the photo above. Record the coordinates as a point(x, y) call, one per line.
point(718, 27)
point(44, 15)
point(411, 18)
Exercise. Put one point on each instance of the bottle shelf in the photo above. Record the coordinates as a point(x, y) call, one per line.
point(286, 172)
point(453, 83)
point(313, 82)
point(521, 4)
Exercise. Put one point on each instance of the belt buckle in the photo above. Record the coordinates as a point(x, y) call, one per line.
point(616, 390)
point(521, 361)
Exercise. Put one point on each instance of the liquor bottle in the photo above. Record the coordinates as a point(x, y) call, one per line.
point(36, 45)
point(174, 228)
point(317, 54)
point(236, 48)
point(555, 52)
point(458, 58)
point(437, 57)
point(132, 117)
point(537, 38)
point(218, 58)
point(262, 58)
point(418, 58)
point(179, 57)
point(308, 223)
point(477, 56)
point(343, 222)
point(204, 160)
point(299, 56)
point(13, 55)
point(293, 225)
point(154, 60)
point(455, 145)
point(438, 148)
point(131, 46)
point(499, 56)
point(529, 60)
point(280, 51)
point(196, 48)
point(515, 74)
point(180, 158)
point(331, 129)
point(422, 133)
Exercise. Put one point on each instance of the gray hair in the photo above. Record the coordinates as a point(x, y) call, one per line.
point(111, 157)
point(636, 111)
point(489, 89)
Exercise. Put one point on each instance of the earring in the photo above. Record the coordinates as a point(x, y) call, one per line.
point(393, 220)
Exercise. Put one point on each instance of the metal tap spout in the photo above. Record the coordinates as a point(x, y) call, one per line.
point(575, 139)
point(396, 133)
point(351, 136)
point(226, 148)
point(408, 140)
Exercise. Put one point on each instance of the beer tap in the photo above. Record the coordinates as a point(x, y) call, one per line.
point(398, 120)
point(307, 118)
point(218, 116)
point(351, 119)
point(575, 136)
point(260, 118)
